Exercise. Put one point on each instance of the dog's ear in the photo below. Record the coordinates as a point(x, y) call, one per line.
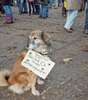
point(46, 37)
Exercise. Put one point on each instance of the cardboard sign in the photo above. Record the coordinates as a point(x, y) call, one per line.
point(37, 63)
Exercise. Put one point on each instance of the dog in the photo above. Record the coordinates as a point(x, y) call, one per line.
point(21, 79)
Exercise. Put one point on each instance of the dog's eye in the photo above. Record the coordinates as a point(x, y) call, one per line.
point(35, 38)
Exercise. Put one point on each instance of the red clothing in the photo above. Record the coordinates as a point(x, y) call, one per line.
point(31, 0)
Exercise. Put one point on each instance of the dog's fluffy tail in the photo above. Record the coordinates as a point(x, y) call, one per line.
point(4, 76)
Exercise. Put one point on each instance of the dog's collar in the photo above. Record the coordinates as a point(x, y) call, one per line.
point(42, 53)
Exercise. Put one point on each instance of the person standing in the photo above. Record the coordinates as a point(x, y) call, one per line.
point(8, 11)
point(25, 8)
point(31, 3)
point(64, 11)
point(21, 5)
point(44, 8)
point(59, 3)
point(37, 6)
point(50, 4)
point(72, 6)
point(86, 20)
point(18, 2)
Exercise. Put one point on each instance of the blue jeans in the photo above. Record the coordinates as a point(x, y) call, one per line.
point(47, 11)
point(31, 4)
point(59, 3)
point(43, 11)
point(54, 2)
point(86, 19)
point(70, 18)
point(18, 2)
point(50, 4)
point(8, 10)
point(21, 6)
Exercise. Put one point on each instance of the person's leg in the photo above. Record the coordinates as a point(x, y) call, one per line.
point(50, 5)
point(8, 14)
point(29, 7)
point(7, 10)
point(21, 6)
point(54, 3)
point(47, 10)
point(68, 15)
point(86, 19)
point(18, 2)
point(25, 6)
point(41, 9)
point(33, 7)
point(37, 9)
point(59, 3)
point(11, 13)
point(70, 18)
point(63, 12)
point(13, 2)
point(44, 11)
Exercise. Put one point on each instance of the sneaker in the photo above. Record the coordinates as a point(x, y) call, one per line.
point(7, 22)
point(68, 30)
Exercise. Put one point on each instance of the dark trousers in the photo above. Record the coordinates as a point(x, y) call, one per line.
point(64, 11)
point(31, 4)
point(37, 7)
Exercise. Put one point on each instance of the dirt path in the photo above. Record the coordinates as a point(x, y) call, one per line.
point(66, 81)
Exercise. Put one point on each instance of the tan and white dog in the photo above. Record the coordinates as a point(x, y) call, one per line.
point(21, 79)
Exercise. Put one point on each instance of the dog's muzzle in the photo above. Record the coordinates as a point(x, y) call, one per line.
point(32, 45)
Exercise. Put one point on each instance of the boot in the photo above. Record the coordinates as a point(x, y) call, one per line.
point(8, 19)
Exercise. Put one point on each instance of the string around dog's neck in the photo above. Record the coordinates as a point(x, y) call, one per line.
point(39, 47)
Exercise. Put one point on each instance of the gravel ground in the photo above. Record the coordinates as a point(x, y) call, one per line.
point(66, 81)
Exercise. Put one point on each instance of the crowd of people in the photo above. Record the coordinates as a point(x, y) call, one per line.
point(70, 9)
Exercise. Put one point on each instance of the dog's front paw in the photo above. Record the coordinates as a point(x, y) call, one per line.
point(36, 92)
point(40, 82)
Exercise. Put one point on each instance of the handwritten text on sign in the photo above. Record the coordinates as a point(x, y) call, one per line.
point(37, 63)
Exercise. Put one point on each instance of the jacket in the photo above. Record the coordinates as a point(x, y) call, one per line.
point(5, 2)
point(72, 4)
point(45, 2)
